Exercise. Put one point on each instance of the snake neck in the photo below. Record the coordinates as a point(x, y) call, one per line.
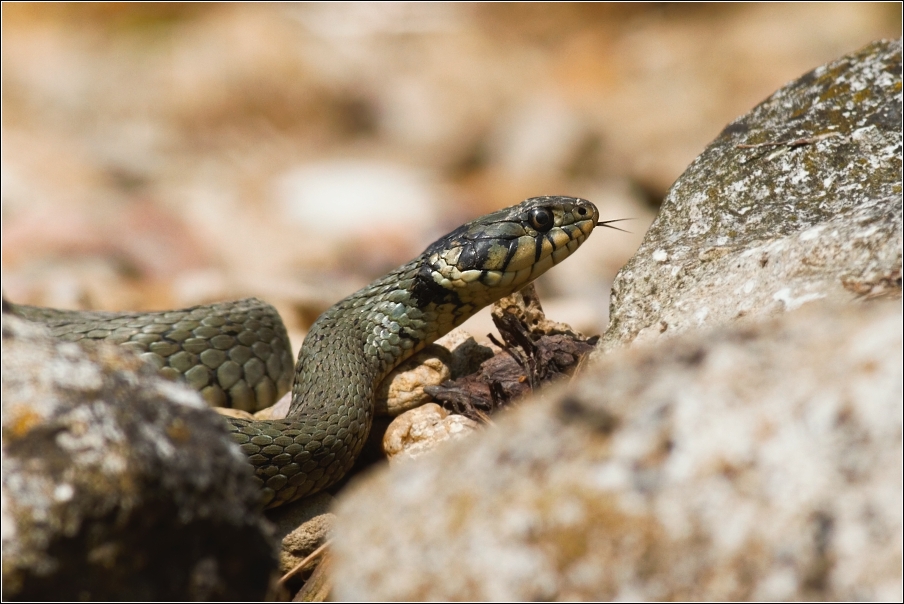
point(358, 342)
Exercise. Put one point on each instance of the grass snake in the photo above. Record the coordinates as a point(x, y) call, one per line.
point(237, 353)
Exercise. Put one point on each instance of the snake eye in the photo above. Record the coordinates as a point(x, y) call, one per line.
point(541, 219)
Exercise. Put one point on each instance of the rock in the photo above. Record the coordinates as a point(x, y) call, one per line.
point(302, 527)
point(403, 388)
point(454, 355)
point(525, 306)
point(423, 429)
point(755, 459)
point(466, 354)
point(760, 461)
point(798, 200)
point(237, 413)
point(118, 491)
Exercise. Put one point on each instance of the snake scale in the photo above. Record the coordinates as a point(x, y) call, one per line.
point(238, 352)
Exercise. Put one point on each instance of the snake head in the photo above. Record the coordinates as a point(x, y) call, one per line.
point(499, 253)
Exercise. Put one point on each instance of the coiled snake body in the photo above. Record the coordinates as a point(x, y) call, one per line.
point(238, 352)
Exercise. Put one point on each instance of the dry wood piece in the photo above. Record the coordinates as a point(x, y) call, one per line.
point(535, 351)
point(319, 584)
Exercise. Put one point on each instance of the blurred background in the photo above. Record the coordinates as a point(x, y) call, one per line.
point(164, 155)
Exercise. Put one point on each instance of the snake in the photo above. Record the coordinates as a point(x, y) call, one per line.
point(237, 353)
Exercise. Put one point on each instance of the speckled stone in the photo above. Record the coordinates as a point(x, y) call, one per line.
point(103, 459)
point(756, 230)
point(761, 462)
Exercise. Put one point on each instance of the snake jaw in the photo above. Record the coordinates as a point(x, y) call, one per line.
point(495, 255)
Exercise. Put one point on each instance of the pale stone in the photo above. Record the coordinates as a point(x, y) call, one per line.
point(403, 389)
point(421, 430)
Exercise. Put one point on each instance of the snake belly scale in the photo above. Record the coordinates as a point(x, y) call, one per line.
point(238, 352)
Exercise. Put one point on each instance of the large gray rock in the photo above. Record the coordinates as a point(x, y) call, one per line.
point(813, 212)
point(753, 459)
point(118, 484)
point(758, 462)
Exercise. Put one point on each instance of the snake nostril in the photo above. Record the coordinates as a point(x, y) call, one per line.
point(582, 211)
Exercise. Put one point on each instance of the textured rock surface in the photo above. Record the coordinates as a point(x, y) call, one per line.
point(756, 462)
point(812, 212)
point(113, 490)
point(403, 388)
point(302, 527)
point(466, 354)
point(423, 429)
point(759, 459)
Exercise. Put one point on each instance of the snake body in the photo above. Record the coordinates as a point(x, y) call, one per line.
point(238, 352)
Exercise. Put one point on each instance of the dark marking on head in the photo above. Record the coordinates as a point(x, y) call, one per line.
point(425, 290)
point(552, 241)
point(474, 254)
point(469, 258)
point(538, 244)
point(513, 247)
